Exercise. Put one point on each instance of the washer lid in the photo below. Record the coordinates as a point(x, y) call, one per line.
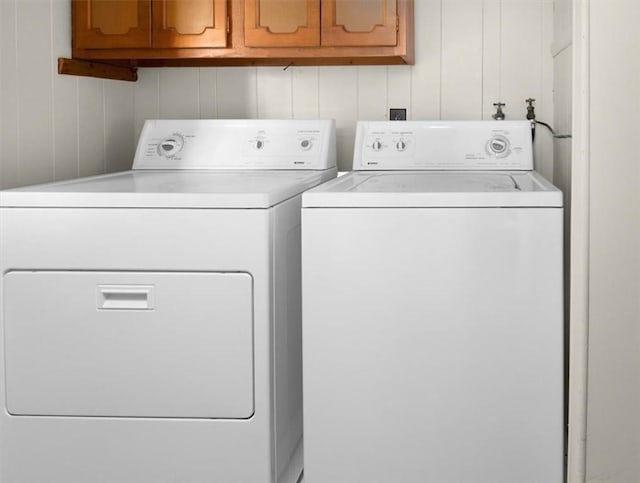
point(169, 189)
point(435, 189)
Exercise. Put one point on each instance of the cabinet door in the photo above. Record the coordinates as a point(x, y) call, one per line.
point(359, 22)
point(189, 23)
point(282, 23)
point(111, 24)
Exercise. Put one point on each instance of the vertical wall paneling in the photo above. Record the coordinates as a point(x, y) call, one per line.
point(208, 93)
point(146, 98)
point(545, 108)
point(461, 75)
point(9, 112)
point(426, 73)
point(562, 121)
point(119, 126)
point(338, 88)
point(91, 126)
point(65, 99)
point(35, 79)
point(179, 93)
point(562, 22)
point(237, 96)
point(372, 93)
point(399, 88)
point(521, 64)
point(613, 404)
point(52, 126)
point(304, 92)
point(274, 93)
point(561, 102)
point(492, 57)
point(580, 241)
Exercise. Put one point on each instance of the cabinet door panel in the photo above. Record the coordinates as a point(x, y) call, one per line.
point(282, 23)
point(359, 22)
point(111, 24)
point(189, 23)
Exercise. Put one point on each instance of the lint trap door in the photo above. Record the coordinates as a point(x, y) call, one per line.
point(129, 344)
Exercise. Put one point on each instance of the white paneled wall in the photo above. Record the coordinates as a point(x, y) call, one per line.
point(469, 54)
point(55, 127)
point(562, 119)
point(613, 172)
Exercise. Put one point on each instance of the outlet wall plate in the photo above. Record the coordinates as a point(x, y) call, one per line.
point(397, 114)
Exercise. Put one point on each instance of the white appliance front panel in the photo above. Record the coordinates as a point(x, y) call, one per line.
point(129, 344)
point(145, 450)
point(236, 144)
point(449, 145)
point(433, 345)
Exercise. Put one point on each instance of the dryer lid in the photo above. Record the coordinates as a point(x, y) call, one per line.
point(169, 189)
point(435, 189)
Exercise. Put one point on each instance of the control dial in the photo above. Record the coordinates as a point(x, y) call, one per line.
point(377, 145)
point(401, 145)
point(306, 144)
point(258, 144)
point(498, 146)
point(170, 146)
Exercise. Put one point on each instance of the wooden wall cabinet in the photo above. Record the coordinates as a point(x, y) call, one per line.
point(111, 24)
point(282, 23)
point(148, 24)
point(316, 23)
point(189, 23)
point(131, 33)
point(360, 22)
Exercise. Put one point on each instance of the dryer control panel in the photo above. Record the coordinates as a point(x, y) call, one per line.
point(443, 145)
point(236, 144)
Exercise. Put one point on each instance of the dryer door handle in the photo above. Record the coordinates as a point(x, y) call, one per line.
point(125, 297)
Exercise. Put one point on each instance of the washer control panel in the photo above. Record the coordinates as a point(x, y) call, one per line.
point(464, 145)
point(236, 144)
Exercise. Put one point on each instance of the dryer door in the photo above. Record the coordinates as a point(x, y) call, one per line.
point(129, 344)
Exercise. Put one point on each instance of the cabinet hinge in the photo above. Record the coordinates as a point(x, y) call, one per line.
point(397, 23)
point(228, 24)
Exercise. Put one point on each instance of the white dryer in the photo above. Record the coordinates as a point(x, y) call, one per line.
point(433, 311)
point(150, 319)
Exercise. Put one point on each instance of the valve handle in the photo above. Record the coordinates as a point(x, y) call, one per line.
point(531, 114)
point(499, 115)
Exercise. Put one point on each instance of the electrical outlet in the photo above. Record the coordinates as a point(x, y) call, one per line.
point(397, 114)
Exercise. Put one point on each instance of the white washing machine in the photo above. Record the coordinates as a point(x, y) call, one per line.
point(432, 310)
point(151, 326)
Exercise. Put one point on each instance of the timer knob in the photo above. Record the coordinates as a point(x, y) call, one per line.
point(377, 145)
point(258, 144)
point(498, 146)
point(170, 146)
